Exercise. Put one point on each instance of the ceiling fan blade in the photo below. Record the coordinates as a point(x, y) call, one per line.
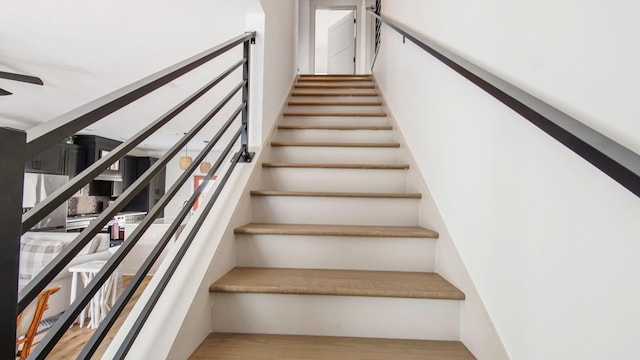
point(23, 78)
point(4, 92)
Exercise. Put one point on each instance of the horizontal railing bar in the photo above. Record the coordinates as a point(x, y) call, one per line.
point(58, 197)
point(64, 257)
point(175, 262)
point(106, 324)
point(4, 92)
point(615, 160)
point(55, 334)
point(22, 78)
point(48, 134)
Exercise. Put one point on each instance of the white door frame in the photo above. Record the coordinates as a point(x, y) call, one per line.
point(312, 32)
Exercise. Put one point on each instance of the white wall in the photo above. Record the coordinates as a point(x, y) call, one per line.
point(324, 20)
point(304, 29)
point(549, 240)
point(279, 58)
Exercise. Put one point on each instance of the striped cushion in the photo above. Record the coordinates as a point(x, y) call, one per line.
point(37, 249)
point(36, 253)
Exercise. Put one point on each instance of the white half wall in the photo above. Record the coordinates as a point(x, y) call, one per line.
point(549, 241)
point(182, 317)
point(279, 58)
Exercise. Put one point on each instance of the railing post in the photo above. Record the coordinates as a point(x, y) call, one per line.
point(244, 138)
point(12, 158)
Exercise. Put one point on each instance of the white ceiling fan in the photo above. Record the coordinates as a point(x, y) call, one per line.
point(18, 77)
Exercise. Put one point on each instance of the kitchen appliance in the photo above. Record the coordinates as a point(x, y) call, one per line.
point(129, 217)
point(79, 222)
point(86, 205)
point(36, 188)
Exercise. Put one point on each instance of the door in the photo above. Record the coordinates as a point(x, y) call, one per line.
point(342, 46)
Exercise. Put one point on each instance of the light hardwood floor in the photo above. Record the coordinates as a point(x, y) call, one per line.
point(76, 337)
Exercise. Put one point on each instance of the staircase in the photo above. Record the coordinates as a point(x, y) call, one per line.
point(333, 265)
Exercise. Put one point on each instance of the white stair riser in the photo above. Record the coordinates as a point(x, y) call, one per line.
point(334, 108)
point(345, 180)
point(338, 155)
point(332, 210)
point(334, 83)
point(335, 135)
point(336, 98)
point(336, 252)
point(329, 92)
point(334, 120)
point(374, 317)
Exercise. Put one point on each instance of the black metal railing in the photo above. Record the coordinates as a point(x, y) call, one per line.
point(378, 26)
point(615, 160)
point(21, 146)
point(377, 32)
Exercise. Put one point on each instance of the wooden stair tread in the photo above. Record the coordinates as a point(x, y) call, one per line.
point(222, 346)
point(337, 283)
point(336, 166)
point(336, 194)
point(340, 74)
point(369, 76)
point(342, 114)
point(337, 230)
point(336, 94)
point(333, 86)
point(333, 127)
point(335, 103)
point(334, 144)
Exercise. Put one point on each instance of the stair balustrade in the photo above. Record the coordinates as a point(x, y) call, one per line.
point(16, 146)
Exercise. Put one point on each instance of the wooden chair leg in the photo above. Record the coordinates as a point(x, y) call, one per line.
point(28, 338)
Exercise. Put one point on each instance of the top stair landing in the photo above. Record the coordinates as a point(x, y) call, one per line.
point(334, 88)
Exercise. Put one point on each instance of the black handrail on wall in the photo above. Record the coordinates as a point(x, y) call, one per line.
point(615, 160)
point(377, 27)
point(42, 137)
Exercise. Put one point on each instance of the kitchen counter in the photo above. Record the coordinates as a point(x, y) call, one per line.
point(79, 222)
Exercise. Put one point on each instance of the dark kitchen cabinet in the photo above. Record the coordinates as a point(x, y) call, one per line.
point(95, 147)
point(150, 194)
point(156, 188)
point(50, 161)
point(75, 160)
point(60, 159)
